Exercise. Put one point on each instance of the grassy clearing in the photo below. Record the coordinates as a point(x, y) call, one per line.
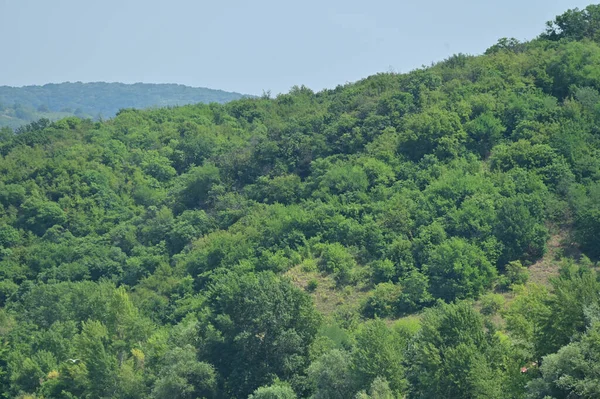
point(560, 244)
point(327, 295)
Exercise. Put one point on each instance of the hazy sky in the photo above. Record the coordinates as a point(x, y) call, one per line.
point(253, 45)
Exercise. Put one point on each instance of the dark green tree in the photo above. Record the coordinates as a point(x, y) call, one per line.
point(452, 356)
point(458, 270)
point(265, 326)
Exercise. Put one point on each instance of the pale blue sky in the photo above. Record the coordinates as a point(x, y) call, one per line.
point(250, 46)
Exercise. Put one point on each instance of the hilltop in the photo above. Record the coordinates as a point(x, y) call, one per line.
point(433, 234)
point(21, 105)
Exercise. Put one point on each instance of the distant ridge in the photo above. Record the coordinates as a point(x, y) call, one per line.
point(21, 105)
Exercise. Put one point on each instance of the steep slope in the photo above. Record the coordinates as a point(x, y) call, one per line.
point(180, 252)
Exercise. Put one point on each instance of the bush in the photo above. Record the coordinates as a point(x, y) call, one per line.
point(458, 270)
point(278, 390)
point(383, 270)
point(7, 289)
point(383, 301)
point(415, 293)
point(491, 304)
point(516, 273)
point(312, 285)
point(336, 259)
point(309, 265)
point(9, 236)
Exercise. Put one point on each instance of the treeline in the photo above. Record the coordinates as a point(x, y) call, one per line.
point(22, 105)
point(371, 241)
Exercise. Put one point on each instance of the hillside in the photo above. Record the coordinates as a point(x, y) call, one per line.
point(433, 234)
point(21, 105)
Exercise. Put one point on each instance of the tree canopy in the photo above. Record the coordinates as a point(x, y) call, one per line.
point(418, 235)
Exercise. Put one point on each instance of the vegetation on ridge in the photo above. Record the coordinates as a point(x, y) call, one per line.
point(178, 253)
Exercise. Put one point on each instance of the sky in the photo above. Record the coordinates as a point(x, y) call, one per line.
point(247, 46)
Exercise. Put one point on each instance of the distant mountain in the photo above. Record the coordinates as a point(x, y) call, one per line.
point(21, 105)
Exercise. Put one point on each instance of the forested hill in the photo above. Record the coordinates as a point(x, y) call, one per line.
point(21, 105)
point(425, 235)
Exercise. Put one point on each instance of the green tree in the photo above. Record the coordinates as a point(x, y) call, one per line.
point(379, 389)
point(458, 270)
point(575, 289)
point(265, 326)
point(100, 365)
point(484, 132)
point(192, 188)
point(40, 215)
point(586, 203)
point(379, 352)
point(452, 356)
point(336, 259)
point(575, 24)
point(182, 376)
point(434, 131)
point(331, 376)
point(278, 390)
point(573, 371)
point(520, 230)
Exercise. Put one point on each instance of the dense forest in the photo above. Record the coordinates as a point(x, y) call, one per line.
point(22, 105)
point(425, 235)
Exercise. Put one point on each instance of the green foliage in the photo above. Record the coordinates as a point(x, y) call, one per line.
point(452, 356)
point(336, 259)
point(515, 274)
point(218, 249)
point(415, 293)
point(537, 157)
point(520, 230)
point(379, 389)
point(343, 178)
point(192, 188)
point(265, 327)
point(9, 236)
point(183, 376)
point(571, 67)
point(587, 218)
point(312, 285)
point(525, 316)
point(572, 371)
point(458, 270)
point(162, 252)
point(379, 354)
point(40, 215)
point(331, 376)
point(491, 303)
point(278, 390)
point(484, 132)
point(575, 24)
point(434, 131)
point(383, 300)
point(575, 290)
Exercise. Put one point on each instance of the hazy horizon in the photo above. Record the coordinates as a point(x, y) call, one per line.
point(102, 81)
point(249, 48)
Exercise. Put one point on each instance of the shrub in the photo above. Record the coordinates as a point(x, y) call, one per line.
point(312, 285)
point(491, 304)
point(383, 301)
